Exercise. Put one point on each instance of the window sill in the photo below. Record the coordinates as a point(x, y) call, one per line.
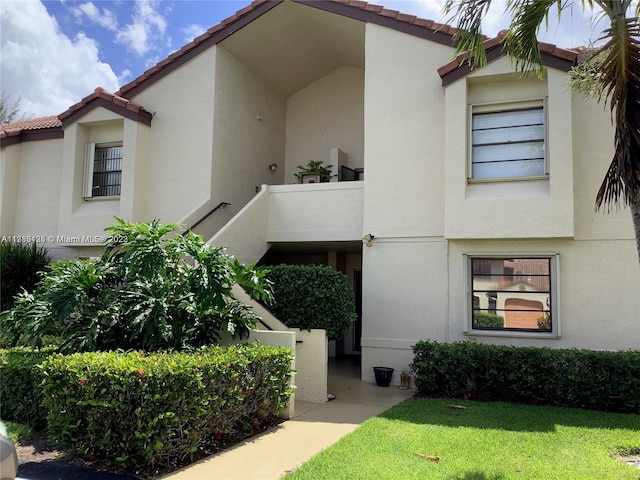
point(97, 199)
point(506, 179)
point(511, 334)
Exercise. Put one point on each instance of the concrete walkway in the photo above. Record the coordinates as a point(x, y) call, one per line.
point(315, 427)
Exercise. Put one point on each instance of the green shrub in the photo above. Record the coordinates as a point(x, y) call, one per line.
point(484, 319)
point(597, 380)
point(151, 290)
point(313, 296)
point(21, 386)
point(20, 265)
point(144, 411)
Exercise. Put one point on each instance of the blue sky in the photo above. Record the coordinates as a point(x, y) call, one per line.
point(54, 53)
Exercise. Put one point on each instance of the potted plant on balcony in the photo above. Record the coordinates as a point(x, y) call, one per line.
point(314, 172)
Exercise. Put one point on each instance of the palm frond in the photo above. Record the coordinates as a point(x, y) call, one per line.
point(521, 39)
point(469, 38)
point(621, 87)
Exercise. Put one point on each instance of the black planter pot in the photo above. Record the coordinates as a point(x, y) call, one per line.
point(383, 375)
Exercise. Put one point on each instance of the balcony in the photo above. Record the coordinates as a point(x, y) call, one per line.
point(315, 212)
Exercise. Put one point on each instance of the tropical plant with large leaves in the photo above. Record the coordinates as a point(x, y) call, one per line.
point(611, 73)
point(151, 289)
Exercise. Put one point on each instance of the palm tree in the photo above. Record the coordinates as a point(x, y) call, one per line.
point(613, 68)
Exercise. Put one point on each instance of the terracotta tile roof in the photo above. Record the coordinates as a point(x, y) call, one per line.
point(397, 15)
point(45, 128)
point(31, 124)
point(552, 56)
point(360, 10)
point(357, 9)
point(102, 98)
point(41, 128)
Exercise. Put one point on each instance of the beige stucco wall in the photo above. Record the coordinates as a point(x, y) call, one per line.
point(404, 299)
point(315, 212)
point(509, 209)
point(245, 235)
point(180, 140)
point(217, 127)
point(404, 272)
point(248, 135)
point(82, 220)
point(598, 289)
point(417, 196)
point(593, 152)
point(328, 113)
point(9, 179)
point(404, 128)
point(31, 190)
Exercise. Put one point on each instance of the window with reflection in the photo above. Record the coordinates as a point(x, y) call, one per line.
point(508, 143)
point(514, 294)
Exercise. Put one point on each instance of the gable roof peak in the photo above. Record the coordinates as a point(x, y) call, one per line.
point(113, 102)
point(357, 9)
point(551, 56)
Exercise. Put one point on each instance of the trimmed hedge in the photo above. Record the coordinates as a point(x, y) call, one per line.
point(313, 296)
point(145, 411)
point(597, 380)
point(20, 386)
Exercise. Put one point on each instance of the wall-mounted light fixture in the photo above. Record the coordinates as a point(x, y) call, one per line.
point(273, 167)
point(368, 239)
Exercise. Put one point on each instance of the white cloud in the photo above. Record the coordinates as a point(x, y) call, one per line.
point(147, 28)
point(106, 19)
point(39, 63)
point(125, 76)
point(192, 31)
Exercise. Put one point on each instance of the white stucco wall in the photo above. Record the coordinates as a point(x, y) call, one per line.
point(328, 113)
point(248, 135)
point(309, 348)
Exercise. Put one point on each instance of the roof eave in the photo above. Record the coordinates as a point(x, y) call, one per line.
point(74, 114)
point(428, 30)
point(551, 56)
point(31, 135)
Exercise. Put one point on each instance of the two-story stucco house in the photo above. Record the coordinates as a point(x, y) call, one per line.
point(463, 206)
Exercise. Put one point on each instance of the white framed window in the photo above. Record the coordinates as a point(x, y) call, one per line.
point(103, 170)
point(513, 294)
point(508, 141)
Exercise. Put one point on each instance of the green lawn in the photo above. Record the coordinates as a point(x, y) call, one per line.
point(484, 441)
